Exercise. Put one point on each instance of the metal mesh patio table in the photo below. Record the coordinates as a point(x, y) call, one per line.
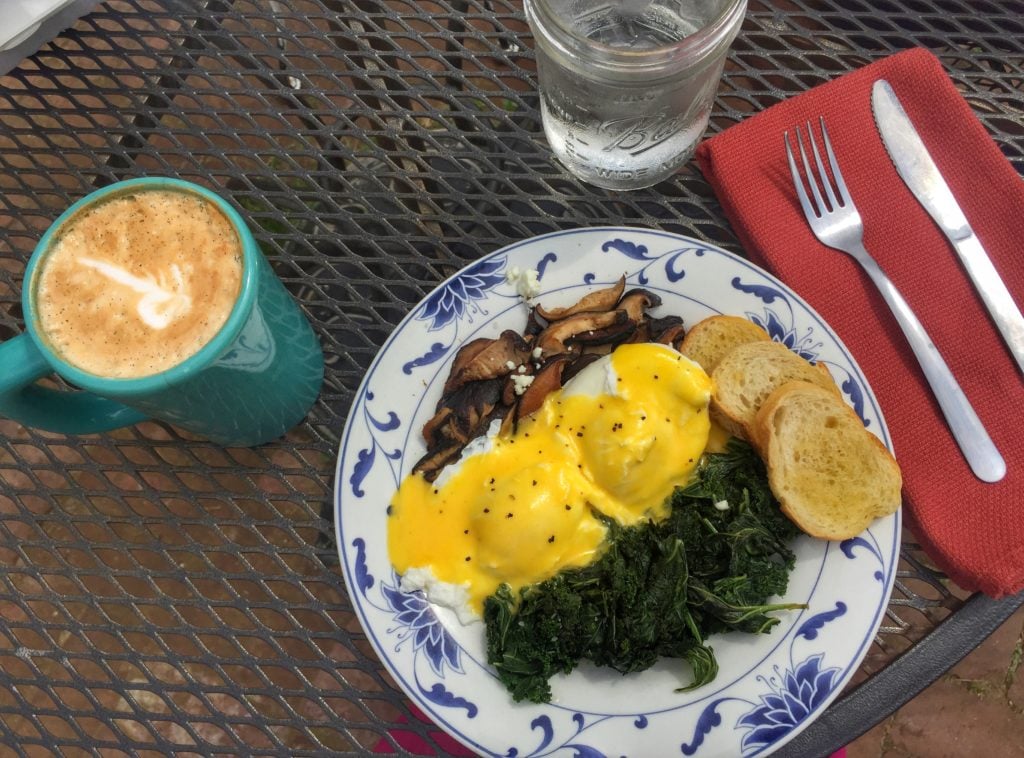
point(162, 594)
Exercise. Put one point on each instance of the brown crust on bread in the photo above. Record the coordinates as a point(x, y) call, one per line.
point(710, 339)
point(749, 373)
point(832, 476)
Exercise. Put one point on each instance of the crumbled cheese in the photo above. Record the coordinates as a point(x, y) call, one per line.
point(537, 353)
point(510, 365)
point(722, 505)
point(521, 381)
point(521, 369)
point(525, 281)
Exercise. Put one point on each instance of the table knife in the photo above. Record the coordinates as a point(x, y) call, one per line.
point(918, 170)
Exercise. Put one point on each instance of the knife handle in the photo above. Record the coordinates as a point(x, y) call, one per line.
point(968, 431)
point(993, 292)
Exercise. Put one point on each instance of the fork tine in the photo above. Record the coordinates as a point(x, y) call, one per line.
point(821, 168)
point(843, 192)
point(801, 193)
point(818, 199)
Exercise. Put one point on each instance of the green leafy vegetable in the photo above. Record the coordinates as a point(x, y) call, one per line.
point(658, 590)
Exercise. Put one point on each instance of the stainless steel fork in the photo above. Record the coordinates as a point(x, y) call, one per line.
point(835, 221)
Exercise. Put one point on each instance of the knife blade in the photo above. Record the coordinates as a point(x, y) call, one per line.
point(916, 167)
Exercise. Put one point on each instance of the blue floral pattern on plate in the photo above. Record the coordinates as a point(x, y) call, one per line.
point(461, 295)
point(792, 696)
point(769, 687)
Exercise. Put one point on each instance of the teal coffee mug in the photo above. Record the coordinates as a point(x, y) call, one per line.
point(152, 299)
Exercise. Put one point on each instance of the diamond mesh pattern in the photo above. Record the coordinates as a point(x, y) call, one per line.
point(159, 593)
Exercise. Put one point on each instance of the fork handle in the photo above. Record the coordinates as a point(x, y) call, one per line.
point(975, 444)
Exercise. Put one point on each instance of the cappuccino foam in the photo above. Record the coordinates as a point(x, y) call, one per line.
point(139, 283)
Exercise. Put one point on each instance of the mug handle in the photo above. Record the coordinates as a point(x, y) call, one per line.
point(76, 412)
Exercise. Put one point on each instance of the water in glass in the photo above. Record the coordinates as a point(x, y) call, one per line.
point(627, 86)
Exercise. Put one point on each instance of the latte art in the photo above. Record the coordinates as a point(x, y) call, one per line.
point(159, 304)
point(137, 284)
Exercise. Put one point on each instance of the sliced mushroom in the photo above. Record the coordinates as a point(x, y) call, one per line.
point(672, 335)
point(534, 325)
point(508, 425)
point(508, 391)
point(642, 333)
point(577, 365)
point(461, 408)
point(457, 429)
point(659, 325)
point(555, 338)
point(480, 399)
point(492, 361)
point(432, 429)
point(601, 300)
point(430, 465)
point(600, 349)
point(444, 429)
point(636, 302)
point(481, 387)
point(612, 334)
point(470, 423)
point(545, 381)
point(467, 353)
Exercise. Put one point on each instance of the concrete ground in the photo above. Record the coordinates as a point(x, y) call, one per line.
point(976, 709)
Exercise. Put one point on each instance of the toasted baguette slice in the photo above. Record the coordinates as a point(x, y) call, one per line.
point(830, 474)
point(709, 340)
point(749, 373)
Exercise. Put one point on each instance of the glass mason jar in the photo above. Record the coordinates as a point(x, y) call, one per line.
point(627, 86)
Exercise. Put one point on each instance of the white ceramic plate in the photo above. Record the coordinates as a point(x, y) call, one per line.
point(769, 687)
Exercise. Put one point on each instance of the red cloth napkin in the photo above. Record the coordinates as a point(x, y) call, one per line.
point(972, 530)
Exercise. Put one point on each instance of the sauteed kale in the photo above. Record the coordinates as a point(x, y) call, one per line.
point(659, 590)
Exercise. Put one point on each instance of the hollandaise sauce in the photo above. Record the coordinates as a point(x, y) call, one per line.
point(617, 439)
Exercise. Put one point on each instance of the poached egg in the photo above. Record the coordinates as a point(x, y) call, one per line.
point(616, 440)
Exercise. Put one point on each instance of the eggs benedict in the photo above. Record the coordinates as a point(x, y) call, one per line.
point(518, 508)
